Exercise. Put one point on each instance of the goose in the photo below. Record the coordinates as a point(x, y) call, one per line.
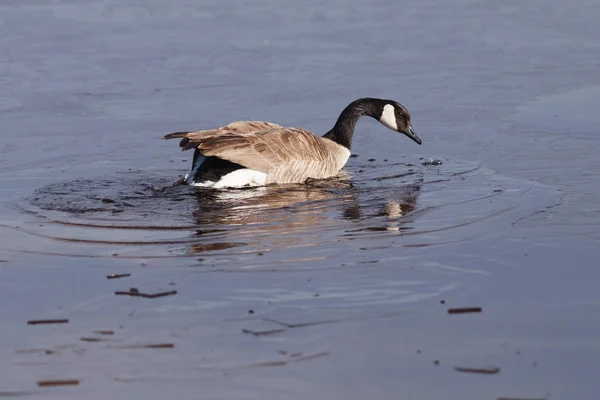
point(260, 153)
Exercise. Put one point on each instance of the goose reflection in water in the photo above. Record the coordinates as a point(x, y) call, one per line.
point(269, 204)
point(298, 215)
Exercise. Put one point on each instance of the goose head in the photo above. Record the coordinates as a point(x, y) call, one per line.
point(396, 117)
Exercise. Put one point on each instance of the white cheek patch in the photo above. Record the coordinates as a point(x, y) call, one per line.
point(388, 117)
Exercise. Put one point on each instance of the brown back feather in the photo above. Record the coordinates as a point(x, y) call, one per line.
point(268, 147)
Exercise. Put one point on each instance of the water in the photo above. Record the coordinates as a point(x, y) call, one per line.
point(335, 289)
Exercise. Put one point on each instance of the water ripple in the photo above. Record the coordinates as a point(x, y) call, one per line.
point(141, 215)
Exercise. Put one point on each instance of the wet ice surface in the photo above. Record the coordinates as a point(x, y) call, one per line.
point(338, 289)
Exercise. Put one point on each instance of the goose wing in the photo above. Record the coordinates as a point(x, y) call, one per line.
point(239, 127)
point(268, 147)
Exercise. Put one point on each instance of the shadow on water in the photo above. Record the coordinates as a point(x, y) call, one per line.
point(140, 215)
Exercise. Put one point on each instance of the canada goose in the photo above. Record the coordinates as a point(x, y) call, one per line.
point(257, 153)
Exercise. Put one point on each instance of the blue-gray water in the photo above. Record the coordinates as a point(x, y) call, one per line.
point(353, 276)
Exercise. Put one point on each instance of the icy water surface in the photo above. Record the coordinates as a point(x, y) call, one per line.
point(292, 263)
point(348, 288)
point(384, 207)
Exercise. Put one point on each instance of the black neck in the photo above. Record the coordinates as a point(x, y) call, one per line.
point(343, 129)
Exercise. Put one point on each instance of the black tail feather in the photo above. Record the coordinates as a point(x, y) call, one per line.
point(186, 144)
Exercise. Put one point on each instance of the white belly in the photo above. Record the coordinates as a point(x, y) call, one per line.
point(236, 179)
